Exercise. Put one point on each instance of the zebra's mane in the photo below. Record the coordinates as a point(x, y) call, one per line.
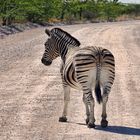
point(60, 33)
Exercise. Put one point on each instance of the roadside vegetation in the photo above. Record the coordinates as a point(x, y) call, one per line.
point(67, 11)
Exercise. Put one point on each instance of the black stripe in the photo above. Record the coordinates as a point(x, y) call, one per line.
point(110, 82)
point(81, 70)
point(108, 87)
point(84, 76)
point(108, 55)
point(67, 75)
point(111, 77)
point(109, 63)
point(86, 59)
point(110, 59)
point(104, 50)
point(87, 55)
point(83, 64)
point(83, 82)
point(73, 75)
point(112, 71)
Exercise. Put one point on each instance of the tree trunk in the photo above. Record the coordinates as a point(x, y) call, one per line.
point(4, 21)
point(9, 20)
point(80, 13)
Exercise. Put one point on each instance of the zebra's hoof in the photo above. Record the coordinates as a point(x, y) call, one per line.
point(104, 123)
point(91, 125)
point(62, 119)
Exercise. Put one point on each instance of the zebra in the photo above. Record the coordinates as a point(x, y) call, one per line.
point(88, 68)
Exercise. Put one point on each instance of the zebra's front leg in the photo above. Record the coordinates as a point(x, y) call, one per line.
point(104, 122)
point(89, 104)
point(66, 102)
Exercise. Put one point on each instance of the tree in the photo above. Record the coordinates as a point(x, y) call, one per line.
point(8, 11)
point(32, 10)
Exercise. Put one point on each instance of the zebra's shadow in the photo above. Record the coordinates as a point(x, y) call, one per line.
point(125, 130)
point(120, 130)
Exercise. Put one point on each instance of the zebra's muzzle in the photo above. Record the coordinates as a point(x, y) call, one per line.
point(47, 63)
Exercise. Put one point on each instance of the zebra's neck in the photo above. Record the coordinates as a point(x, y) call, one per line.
point(63, 52)
point(68, 51)
point(64, 43)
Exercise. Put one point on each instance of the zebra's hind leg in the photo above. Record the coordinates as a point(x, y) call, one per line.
point(89, 104)
point(66, 102)
point(87, 111)
point(104, 122)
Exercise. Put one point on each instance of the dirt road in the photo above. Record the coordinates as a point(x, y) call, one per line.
point(31, 95)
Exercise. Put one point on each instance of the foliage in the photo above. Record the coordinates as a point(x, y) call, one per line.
point(8, 10)
point(44, 10)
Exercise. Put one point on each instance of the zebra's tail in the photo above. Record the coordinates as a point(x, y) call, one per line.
point(98, 92)
point(97, 85)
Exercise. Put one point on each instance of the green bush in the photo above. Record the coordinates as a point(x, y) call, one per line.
point(43, 10)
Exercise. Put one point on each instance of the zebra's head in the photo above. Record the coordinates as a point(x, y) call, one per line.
point(51, 50)
point(57, 45)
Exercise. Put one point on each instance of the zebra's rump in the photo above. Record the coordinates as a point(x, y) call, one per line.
point(86, 65)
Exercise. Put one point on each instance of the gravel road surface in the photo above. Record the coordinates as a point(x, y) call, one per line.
point(31, 95)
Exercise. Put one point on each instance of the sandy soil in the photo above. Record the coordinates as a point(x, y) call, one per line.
point(31, 95)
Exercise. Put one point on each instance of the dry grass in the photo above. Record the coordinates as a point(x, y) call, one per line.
point(128, 17)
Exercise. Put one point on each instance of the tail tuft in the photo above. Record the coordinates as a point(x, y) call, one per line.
point(98, 93)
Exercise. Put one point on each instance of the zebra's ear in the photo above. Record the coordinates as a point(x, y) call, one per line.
point(48, 32)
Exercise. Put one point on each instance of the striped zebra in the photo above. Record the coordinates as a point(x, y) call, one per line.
point(89, 68)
